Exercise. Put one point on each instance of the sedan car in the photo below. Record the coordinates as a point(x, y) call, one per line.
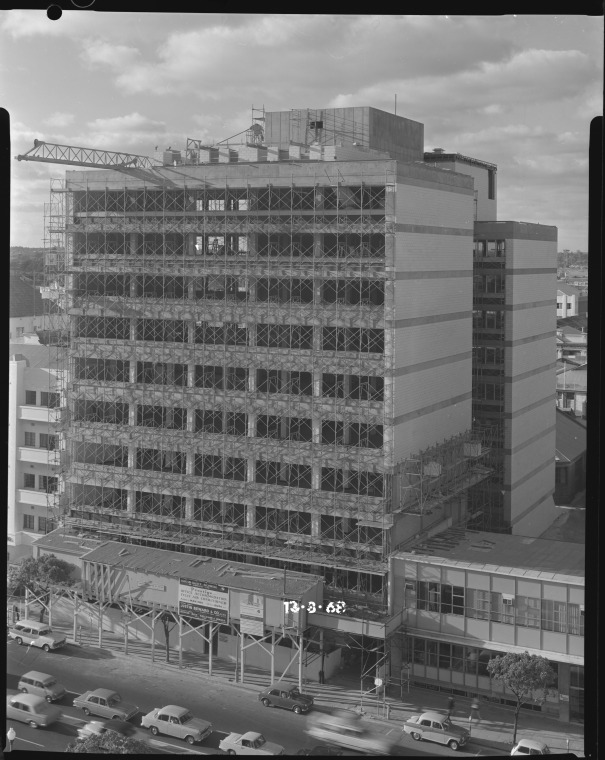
point(99, 727)
point(106, 703)
point(291, 699)
point(530, 747)
point(32, 709)
point(434, 727)
point(250, 743)
point(176, 721)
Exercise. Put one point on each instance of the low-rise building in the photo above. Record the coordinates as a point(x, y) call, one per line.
point(572, 381)
point(469, 596)
point(33, 445)
point(567, 300)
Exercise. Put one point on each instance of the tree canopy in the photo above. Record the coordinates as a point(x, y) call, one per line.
point(110, 743)
point(527, 676)
point(38, 574)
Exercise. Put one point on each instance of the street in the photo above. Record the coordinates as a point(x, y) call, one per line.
point(226, 706)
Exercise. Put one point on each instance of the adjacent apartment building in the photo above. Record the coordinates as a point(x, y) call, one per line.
point(33, 446)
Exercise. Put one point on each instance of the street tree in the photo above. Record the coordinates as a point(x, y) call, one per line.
point(38, 574)
point(527, 676)
point(110, 743)
point(168, 623)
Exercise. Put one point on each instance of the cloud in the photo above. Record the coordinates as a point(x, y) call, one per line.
point(59, 119)
point(29, 23)
point(102, 53)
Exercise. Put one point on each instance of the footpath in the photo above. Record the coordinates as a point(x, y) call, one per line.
point(493, 731)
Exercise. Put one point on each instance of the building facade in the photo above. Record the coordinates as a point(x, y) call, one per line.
point(26, 311)
point(34, 457)
point(470, 596)
point(303, 352)
point(567, 301)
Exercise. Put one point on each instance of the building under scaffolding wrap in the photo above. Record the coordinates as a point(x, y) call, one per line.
point(255, 339)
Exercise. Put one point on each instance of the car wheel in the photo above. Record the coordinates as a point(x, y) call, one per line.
point(46, 648)
point(266, 703)
point(24, 690)
point(416, 736)
point(49, 699)
point(116, 717)
point(189, 739)
point(33, 724)
point(154, 730)
point(453, 744)
point(297, 709)
point(86, 711)
point(231, 752)
point(19, 640)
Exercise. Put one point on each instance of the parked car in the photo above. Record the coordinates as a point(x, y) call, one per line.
point(346, 729)
point(322, 750)
point(291, 699)
point(434, 727)
point(106, 703)
point(42, 685)
point(99, 727)
point(36, 634)
point(32, 709)
point(176, 721)
point(250, 743)
point(530, 747)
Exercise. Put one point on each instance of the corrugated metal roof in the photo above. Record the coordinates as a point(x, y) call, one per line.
point(70, 543)
point(569, 290)
point(24, 299)
point(502, 554)
point(236, 575)
point(570, 437)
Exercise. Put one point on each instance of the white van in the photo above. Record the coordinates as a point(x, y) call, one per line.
point(42, 685)
point(34, 633)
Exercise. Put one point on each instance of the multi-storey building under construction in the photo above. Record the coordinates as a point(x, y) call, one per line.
point(267, 347)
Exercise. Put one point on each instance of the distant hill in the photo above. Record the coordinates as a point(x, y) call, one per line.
point(26, 261)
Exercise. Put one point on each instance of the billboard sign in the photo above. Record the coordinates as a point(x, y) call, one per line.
point(204, 600)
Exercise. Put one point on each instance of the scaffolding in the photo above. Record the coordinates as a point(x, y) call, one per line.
point(223, 349)
point(431, 478)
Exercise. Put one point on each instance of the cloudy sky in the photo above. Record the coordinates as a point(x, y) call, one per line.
point(518, 91)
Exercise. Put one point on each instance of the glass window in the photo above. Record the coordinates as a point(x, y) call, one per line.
point(477, 604)
point(28, 522)
point(428, 596)
point(29, 480)
point(471, 659)
point(528, 611)
point(501, 612)
point(419, 651)
point(30, 398)
point(432, 653)
point(30, 439)
point(42, 524)
point(445, 655)
point(554, 616)
point(575, 619)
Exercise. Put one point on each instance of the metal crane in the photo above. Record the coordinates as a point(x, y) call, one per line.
point(142, 167)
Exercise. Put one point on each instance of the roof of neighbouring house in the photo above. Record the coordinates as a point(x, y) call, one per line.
point(570, 437)
point(578, 323)
point(38, 356)
point(569, 290)
point(24, 299)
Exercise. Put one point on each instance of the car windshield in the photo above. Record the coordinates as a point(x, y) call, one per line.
point(114, 700)
point(45, 632)
point(186, 717)
point(295, 693)
point(50, 682)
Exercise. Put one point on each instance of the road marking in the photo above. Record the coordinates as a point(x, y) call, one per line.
point(20, 739)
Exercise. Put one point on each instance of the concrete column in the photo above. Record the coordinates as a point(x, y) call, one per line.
point(315, 525)
point(252, 380)
point(316, 476)
point(134, 239)
point(251, 474)
point(317, 382)
point(316, 430)
point(188, 501)
point(133, 284)
point(191, 375)
point(251, 433)
point(133, 329)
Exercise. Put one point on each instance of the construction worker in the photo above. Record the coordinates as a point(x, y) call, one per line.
point(450, 706)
